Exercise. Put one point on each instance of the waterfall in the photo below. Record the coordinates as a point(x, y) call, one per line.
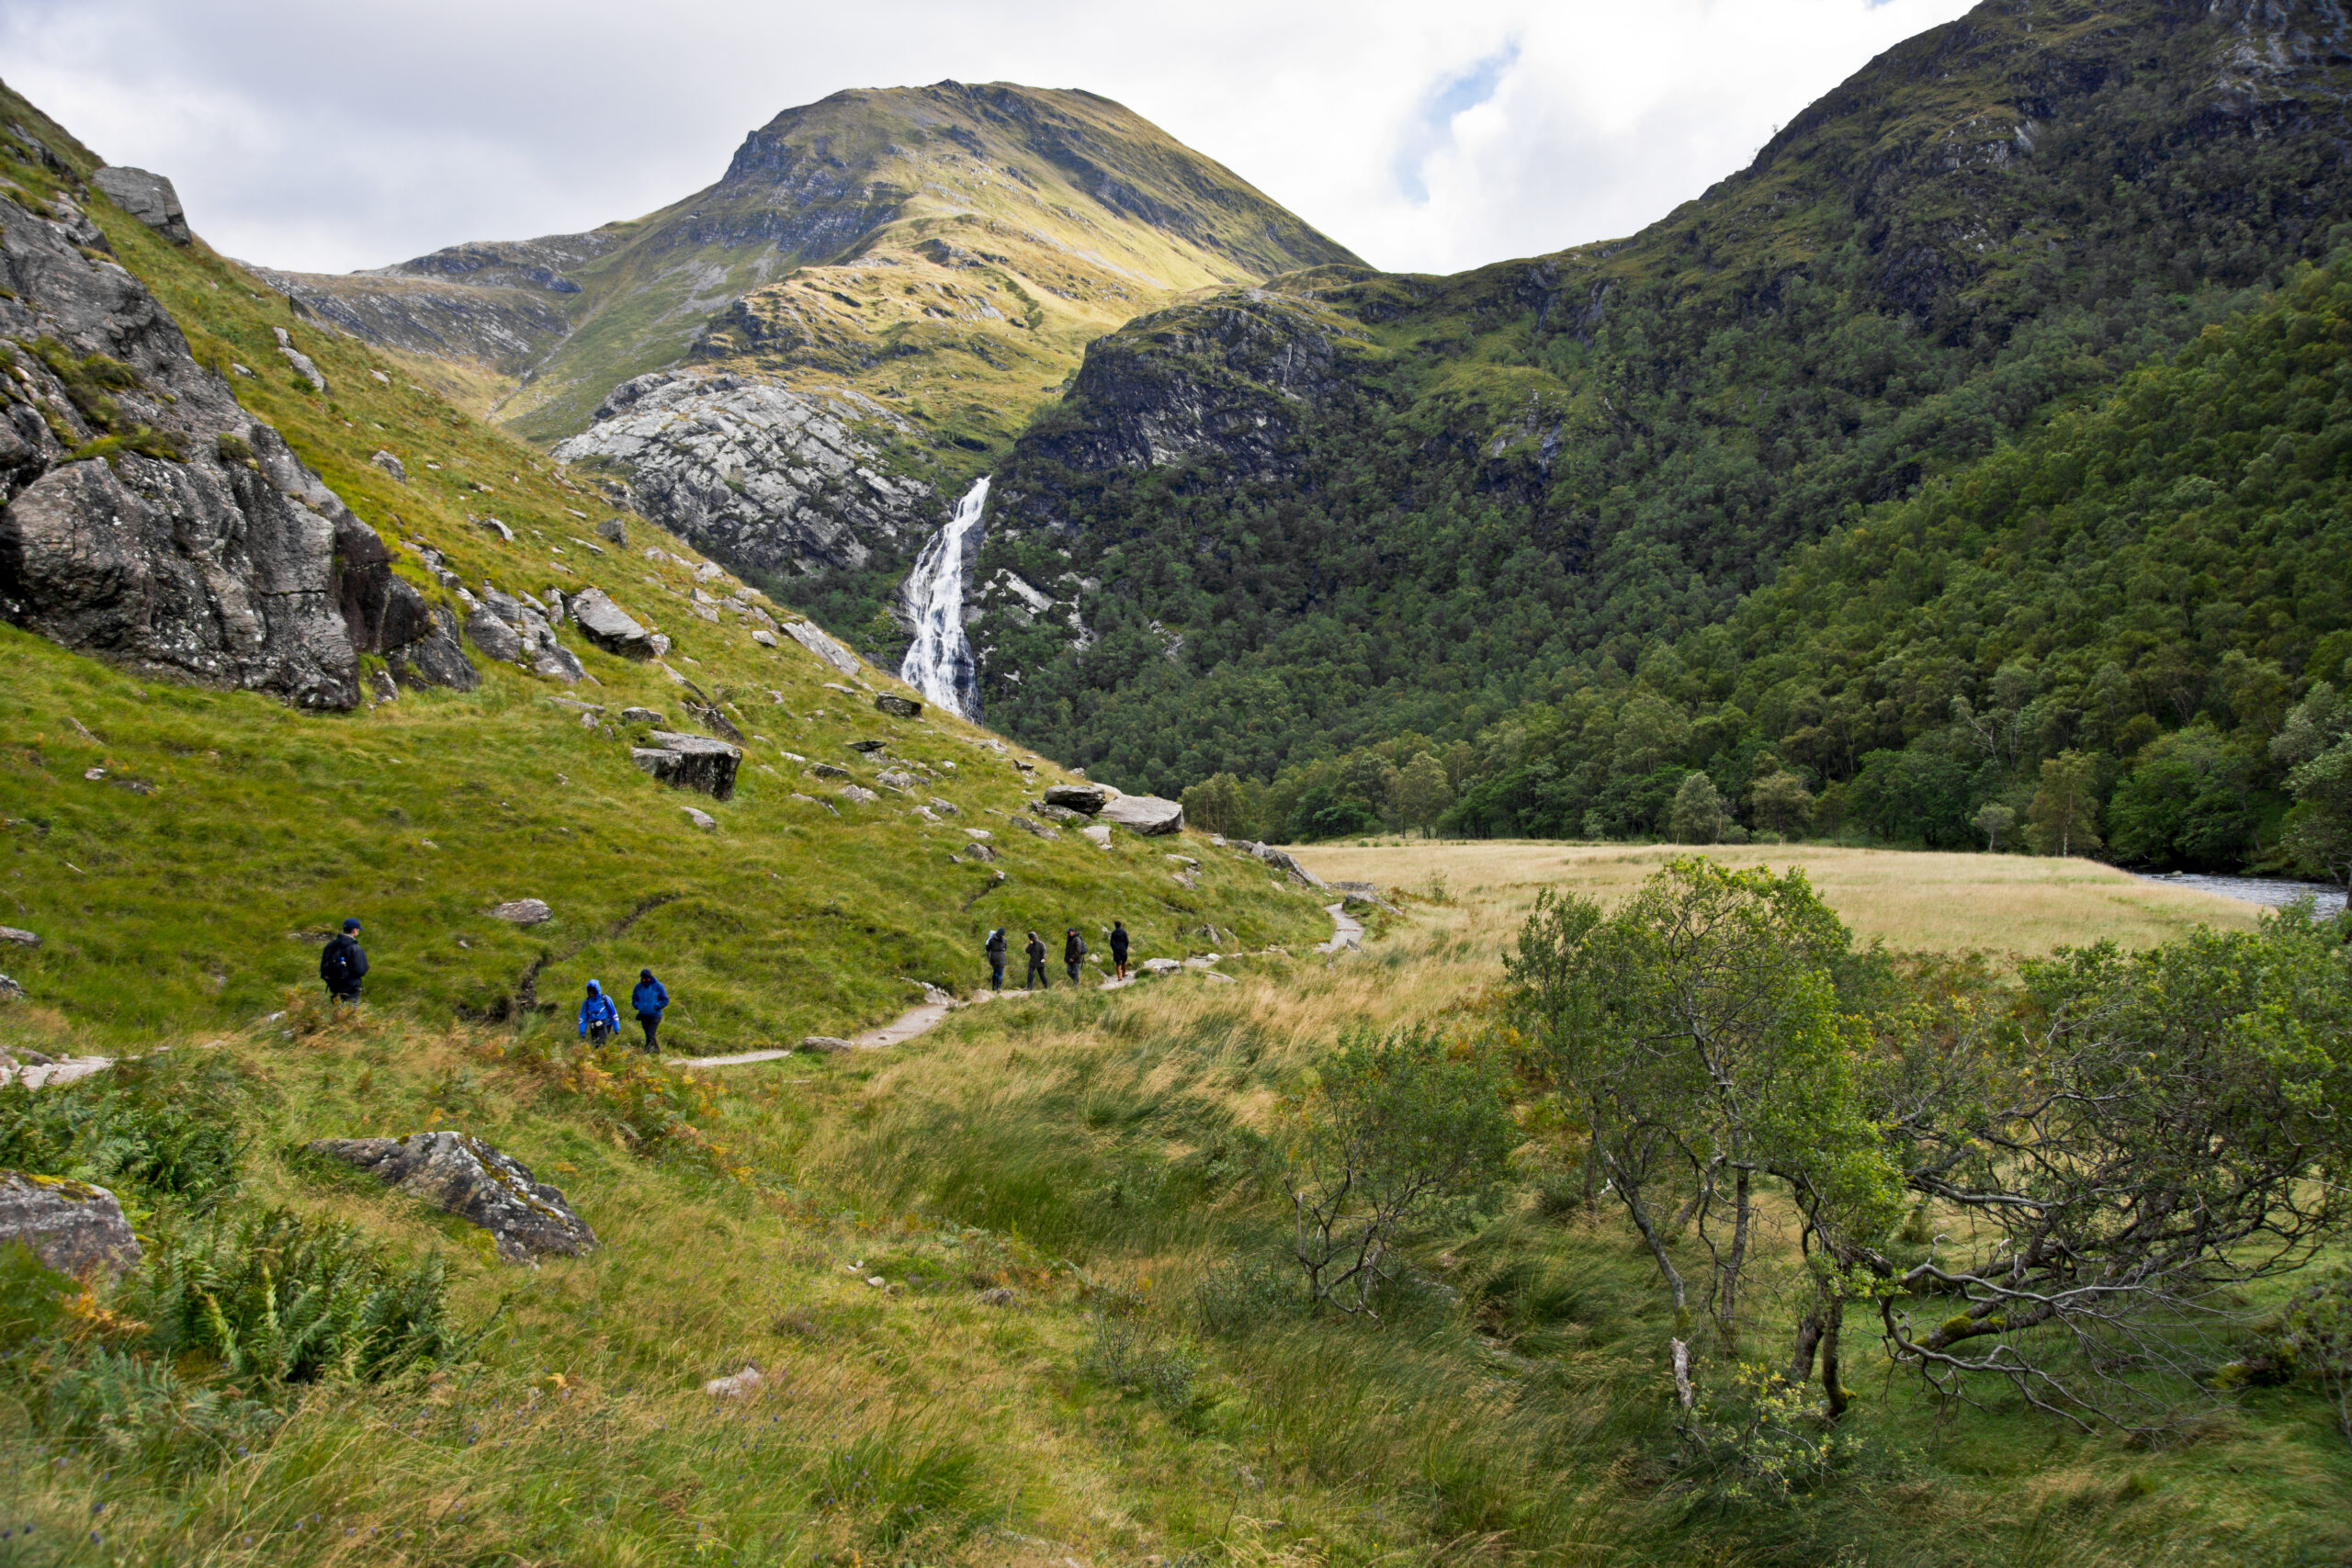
point(939, 665)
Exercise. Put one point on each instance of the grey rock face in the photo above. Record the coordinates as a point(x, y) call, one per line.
point(71, 1227)
point(898, 707)
point(146, 196)
point(20, 937)
point(1281, 861)
point(467, 1177)
point(303, 365)
point(494, 637)
point(765, 477)
point(641, 715)
point(234, 570)
point(1089, 798)
point(1146, 814)
point(702, 819)
point(690, 761)
point(852, 792)
point(809, 635)
point(608, 626)
point(523, 912)
point(613, 530)
point(389, 464)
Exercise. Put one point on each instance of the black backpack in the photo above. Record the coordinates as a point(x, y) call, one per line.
point(335, 964)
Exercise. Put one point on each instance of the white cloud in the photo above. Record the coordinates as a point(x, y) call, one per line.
point(332, 137)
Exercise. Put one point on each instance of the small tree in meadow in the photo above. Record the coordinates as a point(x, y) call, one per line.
point(1388, 1133)
point(1697, 815)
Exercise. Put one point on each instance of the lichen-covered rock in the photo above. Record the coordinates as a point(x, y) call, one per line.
point(199, 549)
point(150, 197)
point(523, 912)
point(465, 1176)
point(608, 626)
point(71, 1227)
point(898, 707)
point(690, 761)
point(1146, 814)
point(810, 636)
point(1088, 799)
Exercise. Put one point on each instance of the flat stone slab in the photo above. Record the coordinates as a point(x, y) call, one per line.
point(1089, 798)
point(71, 1227)
point(1146, 814)
point(524, 912)
point(465, 1176)
point(608, 626)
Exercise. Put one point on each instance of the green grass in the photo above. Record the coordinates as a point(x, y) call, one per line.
point(181, 891)
point(1152, 1394)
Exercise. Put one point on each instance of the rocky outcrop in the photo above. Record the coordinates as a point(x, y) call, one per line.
point(1281, 861)
point(608, 626)
point(467, 1177)
point(146, 196)
point(71, 1227)
point(810, 637)
point(690, 761)
point(150, 521)
point(1146, 814)
point(769, 479)
point(1088, 799)
point(519, 631)
point(897, 706)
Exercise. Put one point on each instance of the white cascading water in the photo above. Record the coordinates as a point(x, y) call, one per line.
point(939, 665)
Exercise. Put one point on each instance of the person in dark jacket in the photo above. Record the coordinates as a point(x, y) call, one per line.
point(1119, 949)
point(1037, 980)
point(996, 959)
point(1073, 952)
point(598, 1021)
point(343, 963)
point(649, 999)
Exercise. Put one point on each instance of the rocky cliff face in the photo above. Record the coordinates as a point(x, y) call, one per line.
point(776, 480)
point(150, 520)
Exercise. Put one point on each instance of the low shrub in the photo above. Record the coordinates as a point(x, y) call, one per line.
point(127, 1409)
point(276, 1299)
point(134, 1126)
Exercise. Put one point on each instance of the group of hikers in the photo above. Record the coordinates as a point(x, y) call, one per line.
point(1074, 951)
point(343, 963)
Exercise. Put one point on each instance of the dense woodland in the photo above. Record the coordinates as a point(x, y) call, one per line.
point(1764, 495)
point(2149, 599)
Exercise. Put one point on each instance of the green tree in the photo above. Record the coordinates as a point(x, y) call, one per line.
point(1386, 1134)
point(1219, 804)
point(1993, 819)
point(1422, 793)
point(1697, 815)
point(2063, 818)
point(1699, 1031)
point(1778, 802)
point(2319, 831)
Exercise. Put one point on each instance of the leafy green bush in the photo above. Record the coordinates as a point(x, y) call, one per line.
point(278, 1299)
point(130, 1409)
point(134, 1125)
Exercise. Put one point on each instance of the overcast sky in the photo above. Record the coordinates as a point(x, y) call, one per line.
point(351, 133)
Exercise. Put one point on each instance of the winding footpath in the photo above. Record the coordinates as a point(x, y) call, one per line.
point(1347, 936)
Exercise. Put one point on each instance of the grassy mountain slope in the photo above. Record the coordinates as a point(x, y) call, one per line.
point(1503, 485)
point(949, 249)
point(170, 888)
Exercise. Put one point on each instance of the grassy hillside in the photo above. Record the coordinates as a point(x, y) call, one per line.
point(1151, 1393)
point(1511, 483)
point(186, 883)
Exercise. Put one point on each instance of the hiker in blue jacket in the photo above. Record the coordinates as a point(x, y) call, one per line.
point(598, 1021)
point(649, 999)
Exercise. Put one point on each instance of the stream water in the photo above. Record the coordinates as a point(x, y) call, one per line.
point(2268, 891)
point(939, 665)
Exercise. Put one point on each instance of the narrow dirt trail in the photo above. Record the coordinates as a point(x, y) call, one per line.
point(1347, 936)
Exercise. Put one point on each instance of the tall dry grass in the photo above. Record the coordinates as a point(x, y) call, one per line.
point(1909, 899)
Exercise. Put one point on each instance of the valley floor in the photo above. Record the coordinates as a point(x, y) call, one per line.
point(1143, 1390)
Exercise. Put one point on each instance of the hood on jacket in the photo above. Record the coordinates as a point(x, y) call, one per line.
point(594, 990)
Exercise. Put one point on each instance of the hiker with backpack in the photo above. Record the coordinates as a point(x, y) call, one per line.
point(598, 1021)
point(1037, 980)
point(996, 959)
point(1119, 950)
point(343, 963)
point(1073, 952)
point(649, 999)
